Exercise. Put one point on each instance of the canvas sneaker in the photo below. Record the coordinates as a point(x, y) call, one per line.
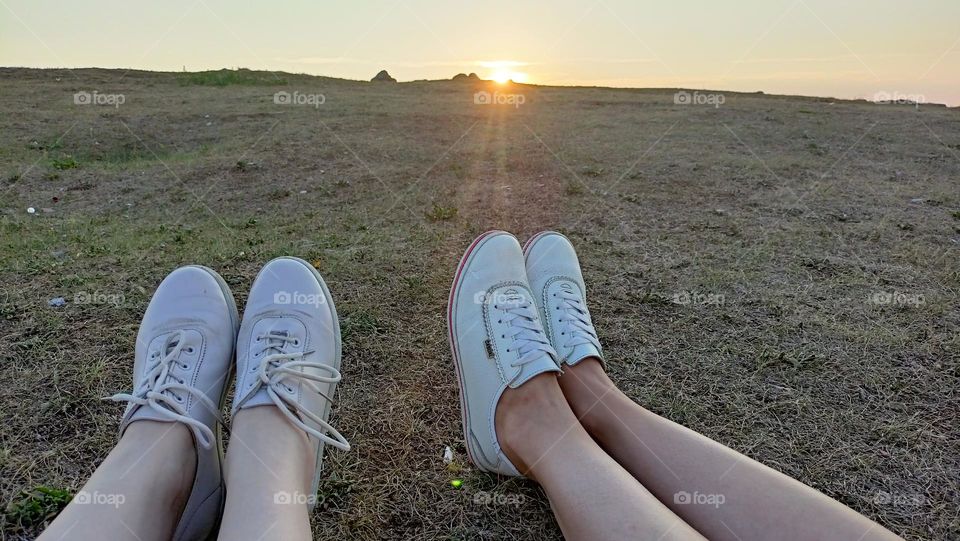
point(496, 339)
point(184, 356)
point(288, 351)
point(554, 273)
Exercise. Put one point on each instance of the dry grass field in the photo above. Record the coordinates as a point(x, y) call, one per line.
point(778, 273)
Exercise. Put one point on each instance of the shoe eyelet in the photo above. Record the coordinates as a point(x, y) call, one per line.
point(190, 349)
point(296, 342)
point(185, 366)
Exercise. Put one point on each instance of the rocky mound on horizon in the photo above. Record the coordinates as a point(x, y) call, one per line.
point(383, 76)
point(465, 77)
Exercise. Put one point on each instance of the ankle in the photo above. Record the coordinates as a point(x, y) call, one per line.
point(528, 415)
point(590, 393)
point(163, 455)
point(264, 433)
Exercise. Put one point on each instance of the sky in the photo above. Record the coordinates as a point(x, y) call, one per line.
point(845, 49)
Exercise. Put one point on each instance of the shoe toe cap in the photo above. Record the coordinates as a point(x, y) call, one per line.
point(550, 255)
point(285, 276)
point(190, 292)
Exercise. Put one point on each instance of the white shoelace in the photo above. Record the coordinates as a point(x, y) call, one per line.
point(279, 370)
point(529, 340)
point(161, 391)
point(579, 327)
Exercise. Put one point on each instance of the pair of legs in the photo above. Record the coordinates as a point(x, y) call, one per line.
point(614, 470)
point(152, 467)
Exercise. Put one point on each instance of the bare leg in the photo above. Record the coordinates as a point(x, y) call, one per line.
point(139, 490)
point(719, 491)
point(270, 465)
point(591, 495)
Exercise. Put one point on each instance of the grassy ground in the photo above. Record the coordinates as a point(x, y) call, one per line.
point(777, 273)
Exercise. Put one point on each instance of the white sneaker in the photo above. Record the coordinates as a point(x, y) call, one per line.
point(554, 273)
point(496, 339)
point(184, 356)
point(288, 351)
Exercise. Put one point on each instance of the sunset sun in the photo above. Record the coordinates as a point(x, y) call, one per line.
point(503, 71)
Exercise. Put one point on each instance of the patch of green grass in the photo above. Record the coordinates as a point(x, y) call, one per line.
point(358, 323)
point(133, 153)
point(36, 507)
point(38, 145)
point(439, 213)
point(816, 149)
point(64, 162)
point(573, 188)
point(245, 165)
point(955, 214)
point(333, 493)
point(278, 193)
point(227, 77)
point(795, 360)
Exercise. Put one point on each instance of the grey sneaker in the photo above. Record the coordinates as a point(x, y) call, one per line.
point(554, 273)
point(496, 340)
point(183, 360)
point(288, 351)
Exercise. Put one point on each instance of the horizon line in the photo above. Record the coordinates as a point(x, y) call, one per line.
point(760, 92)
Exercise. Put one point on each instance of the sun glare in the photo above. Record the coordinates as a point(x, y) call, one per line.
point(503, 71)
point(504, 76)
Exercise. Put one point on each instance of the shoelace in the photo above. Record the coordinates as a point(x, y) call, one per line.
point(529, 340)
point(159, 390)
point(579, 326)
point(277, 368)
